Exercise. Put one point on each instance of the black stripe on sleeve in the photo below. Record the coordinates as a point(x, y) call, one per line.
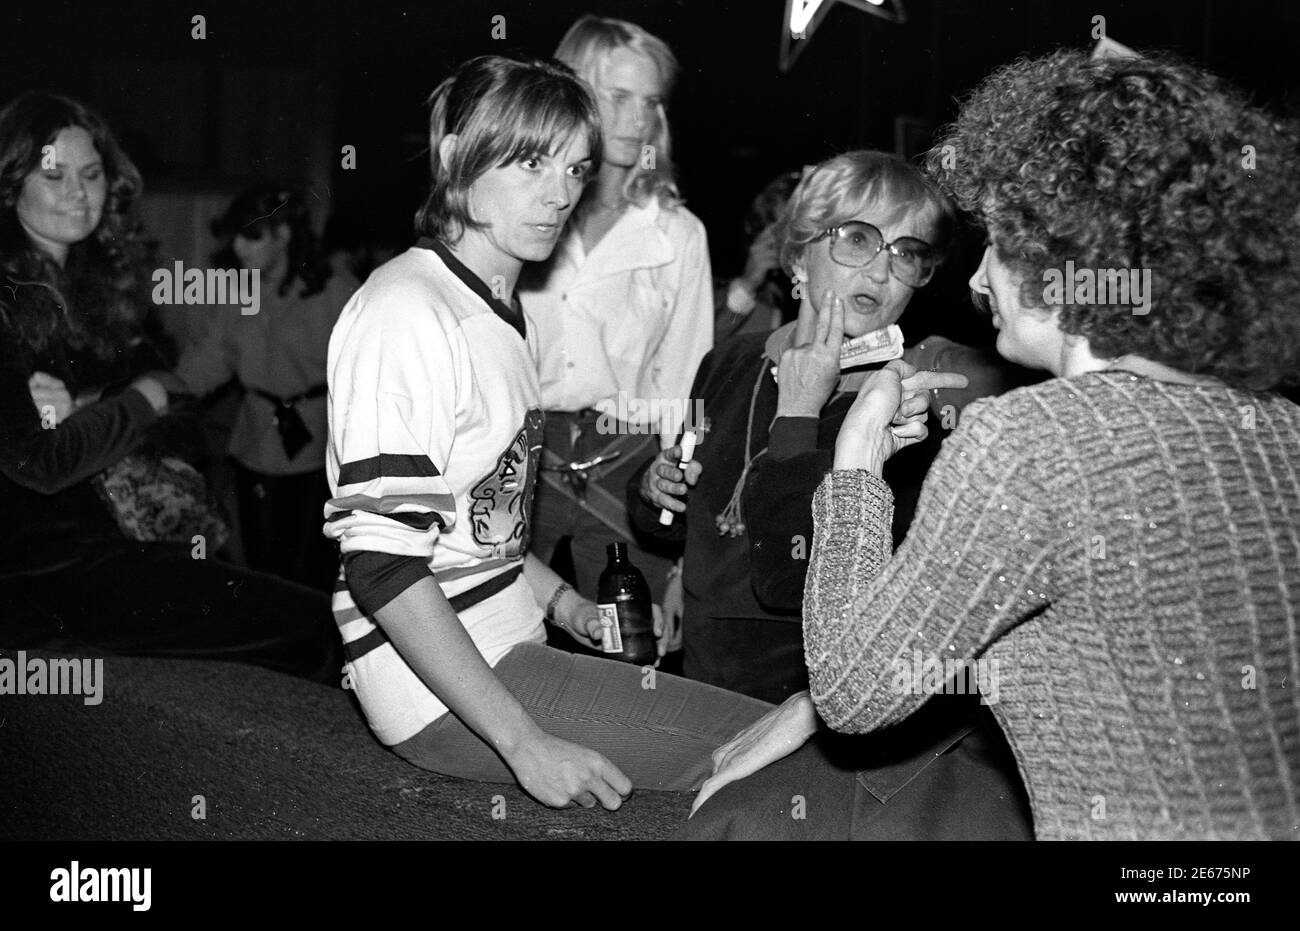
point(467, 599)
point(375, 579)
point(359, 648)
point(419, 521)
point(390, 465)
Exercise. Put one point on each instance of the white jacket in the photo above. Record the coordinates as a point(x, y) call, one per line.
point(623, 330)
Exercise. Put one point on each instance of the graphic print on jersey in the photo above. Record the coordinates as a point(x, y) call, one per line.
point(502, 501)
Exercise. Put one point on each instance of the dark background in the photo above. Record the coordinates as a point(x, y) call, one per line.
point(275, 90)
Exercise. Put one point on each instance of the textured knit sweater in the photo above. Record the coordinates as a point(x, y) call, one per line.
point(1122, 555)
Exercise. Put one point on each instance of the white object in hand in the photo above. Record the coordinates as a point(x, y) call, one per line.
point(877, 346)
point(688, 450)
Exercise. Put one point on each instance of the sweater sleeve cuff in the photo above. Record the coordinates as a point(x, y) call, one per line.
point(141, 411)
point(791, 436)
point(856, 503)
point(375, 579)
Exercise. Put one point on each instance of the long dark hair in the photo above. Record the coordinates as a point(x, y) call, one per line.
point(259, 210)
point(97, 300)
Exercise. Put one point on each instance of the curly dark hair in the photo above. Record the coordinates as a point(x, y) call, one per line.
point(98, 300)
point(262, 208)
point(1141, 163)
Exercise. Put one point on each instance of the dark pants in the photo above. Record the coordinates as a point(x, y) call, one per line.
point(900, 784)
point(153, 599)
point(660, 730)
point(281, 518)
point(557, 514)
point(754, 656)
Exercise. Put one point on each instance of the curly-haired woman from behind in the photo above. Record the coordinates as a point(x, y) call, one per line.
point(1117, 549)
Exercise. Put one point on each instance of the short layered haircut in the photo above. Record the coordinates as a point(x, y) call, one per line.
point(863, 182)
point(502, 110)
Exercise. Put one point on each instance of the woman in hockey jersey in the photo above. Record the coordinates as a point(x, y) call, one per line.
point(435, 427)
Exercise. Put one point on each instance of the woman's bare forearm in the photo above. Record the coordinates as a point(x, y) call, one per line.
point(545, 583)
point(430, 637)
point(542, 579)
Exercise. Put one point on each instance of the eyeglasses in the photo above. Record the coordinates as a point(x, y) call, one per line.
point(856, 244)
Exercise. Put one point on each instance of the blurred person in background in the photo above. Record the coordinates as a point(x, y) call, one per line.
point(78, 572)
point(760, 299)
point(278, 357)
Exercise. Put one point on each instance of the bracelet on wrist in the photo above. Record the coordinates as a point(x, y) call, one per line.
point(555, 601)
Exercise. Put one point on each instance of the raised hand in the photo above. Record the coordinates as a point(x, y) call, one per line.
point(888, 415)
point(810, 368)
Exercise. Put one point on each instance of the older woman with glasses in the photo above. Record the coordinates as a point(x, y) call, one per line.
point(863, 231)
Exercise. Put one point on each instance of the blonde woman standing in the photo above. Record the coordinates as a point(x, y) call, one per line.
point(623, 311)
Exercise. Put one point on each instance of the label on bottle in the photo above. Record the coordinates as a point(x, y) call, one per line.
point(611, 639)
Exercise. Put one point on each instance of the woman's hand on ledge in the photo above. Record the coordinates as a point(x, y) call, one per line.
point(777, 734)
point(560, 773)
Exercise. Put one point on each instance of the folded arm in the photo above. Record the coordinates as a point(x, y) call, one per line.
point(50, 460)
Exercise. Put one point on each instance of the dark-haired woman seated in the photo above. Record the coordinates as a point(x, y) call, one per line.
point(278, 355)
point(72, 323)
point(1117, 549)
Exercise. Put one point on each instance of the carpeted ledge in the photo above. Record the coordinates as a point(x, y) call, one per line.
point(275, 758)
